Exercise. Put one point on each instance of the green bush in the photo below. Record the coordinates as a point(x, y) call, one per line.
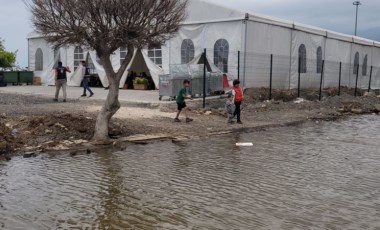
point(140, 81)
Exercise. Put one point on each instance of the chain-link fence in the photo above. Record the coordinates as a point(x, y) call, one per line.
point(308, 77)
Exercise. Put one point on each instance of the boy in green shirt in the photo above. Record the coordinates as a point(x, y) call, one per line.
point(181, 96)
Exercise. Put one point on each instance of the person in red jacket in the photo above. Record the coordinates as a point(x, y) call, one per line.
point(237, 91)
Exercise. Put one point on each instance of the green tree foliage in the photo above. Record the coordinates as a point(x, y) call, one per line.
point(7, 59)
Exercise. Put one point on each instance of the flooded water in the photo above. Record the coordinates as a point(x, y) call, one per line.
point(324, 176)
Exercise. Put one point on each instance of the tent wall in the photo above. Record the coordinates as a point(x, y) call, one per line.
point(312, 42)
point(205, 36)
point(262, 41)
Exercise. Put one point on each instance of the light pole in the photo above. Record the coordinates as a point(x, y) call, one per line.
point(357, 4)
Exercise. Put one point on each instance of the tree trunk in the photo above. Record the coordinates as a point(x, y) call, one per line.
point(111, 106)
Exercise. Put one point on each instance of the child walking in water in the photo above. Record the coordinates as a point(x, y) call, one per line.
point(181, 96)
point(230, 107)
point(237, 91)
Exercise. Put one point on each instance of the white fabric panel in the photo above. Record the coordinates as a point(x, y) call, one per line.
point(126, 72)
point(47, 75)
point(336, 52)
point(268, 39)
point(270, 20)
point(310, 29)
point(201, 11)
point(339, 36)
point(75, 79)
point(198, 60)
point(363, 41)
point(205, 36)
point(99, 69)
point(263, 40)
point(141, 63)
point(363, 81)
point(312, 42)
point(193, 32)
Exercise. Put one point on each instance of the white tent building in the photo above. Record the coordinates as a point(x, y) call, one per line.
point(224, 32)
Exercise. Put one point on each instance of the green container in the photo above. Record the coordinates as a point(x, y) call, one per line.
point(11, 77)
point(26, 77)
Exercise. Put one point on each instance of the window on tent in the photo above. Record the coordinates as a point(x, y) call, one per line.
point(319, 60)
point(187, 51)
point(123, 54)
point(365, 64)
point(78, 56)
point(221, 52)
point(155, 54)
point(302, 59)
point(356, 63)
point(39, 60)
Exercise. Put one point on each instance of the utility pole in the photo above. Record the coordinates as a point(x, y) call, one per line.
point(357, 4)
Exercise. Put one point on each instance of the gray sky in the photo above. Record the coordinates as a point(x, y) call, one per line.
point(337, 15)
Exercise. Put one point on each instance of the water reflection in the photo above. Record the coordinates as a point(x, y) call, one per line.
point(305, 177)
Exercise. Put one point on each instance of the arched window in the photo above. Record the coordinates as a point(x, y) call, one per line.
point(302, 59)
point(155, 54)
point(78, 56)
point(39, 60)
point(319, 60)
point(365, 62)
point(123, 54)
point(356, 63)
point(221, 52)
point(187, 51)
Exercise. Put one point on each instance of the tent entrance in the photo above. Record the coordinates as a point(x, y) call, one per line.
point(94, 78)
point(138, 68)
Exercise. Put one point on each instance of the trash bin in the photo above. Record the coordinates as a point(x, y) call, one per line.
point(11, 77)
point(26, 77)
point(2, 82)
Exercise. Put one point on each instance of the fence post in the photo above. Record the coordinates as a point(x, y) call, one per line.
point(321, 83)
point(340, 77)
point(271, 77)
point(370, 80)
point(299, 77)
point(357, 79)
point(238, 68)
point(204, 77)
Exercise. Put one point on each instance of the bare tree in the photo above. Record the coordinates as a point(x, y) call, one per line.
point(105, 26)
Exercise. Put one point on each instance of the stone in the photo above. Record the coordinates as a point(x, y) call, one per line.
point(357, 111)
point(59, 125)
point(3, 116)
point(377, 108)
point(48, 131)
point(29, 155)
point(208, 113)
point(370, 94)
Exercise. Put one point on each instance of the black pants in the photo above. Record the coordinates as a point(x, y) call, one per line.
point(238, 110)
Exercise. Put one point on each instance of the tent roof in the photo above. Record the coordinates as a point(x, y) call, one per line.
point(203, 11)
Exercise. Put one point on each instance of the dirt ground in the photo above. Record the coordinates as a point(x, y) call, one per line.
point(36, 124)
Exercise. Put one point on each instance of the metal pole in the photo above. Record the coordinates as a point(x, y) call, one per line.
point(370, 80)
point(357, 79)
point(320, 86)
point(357, 4)
point(271, 77)
point(204, 77)
point(238, 68)
point(299, 77)
point(340, 77)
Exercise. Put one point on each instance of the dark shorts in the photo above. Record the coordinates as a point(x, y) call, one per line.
point(181, 106)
